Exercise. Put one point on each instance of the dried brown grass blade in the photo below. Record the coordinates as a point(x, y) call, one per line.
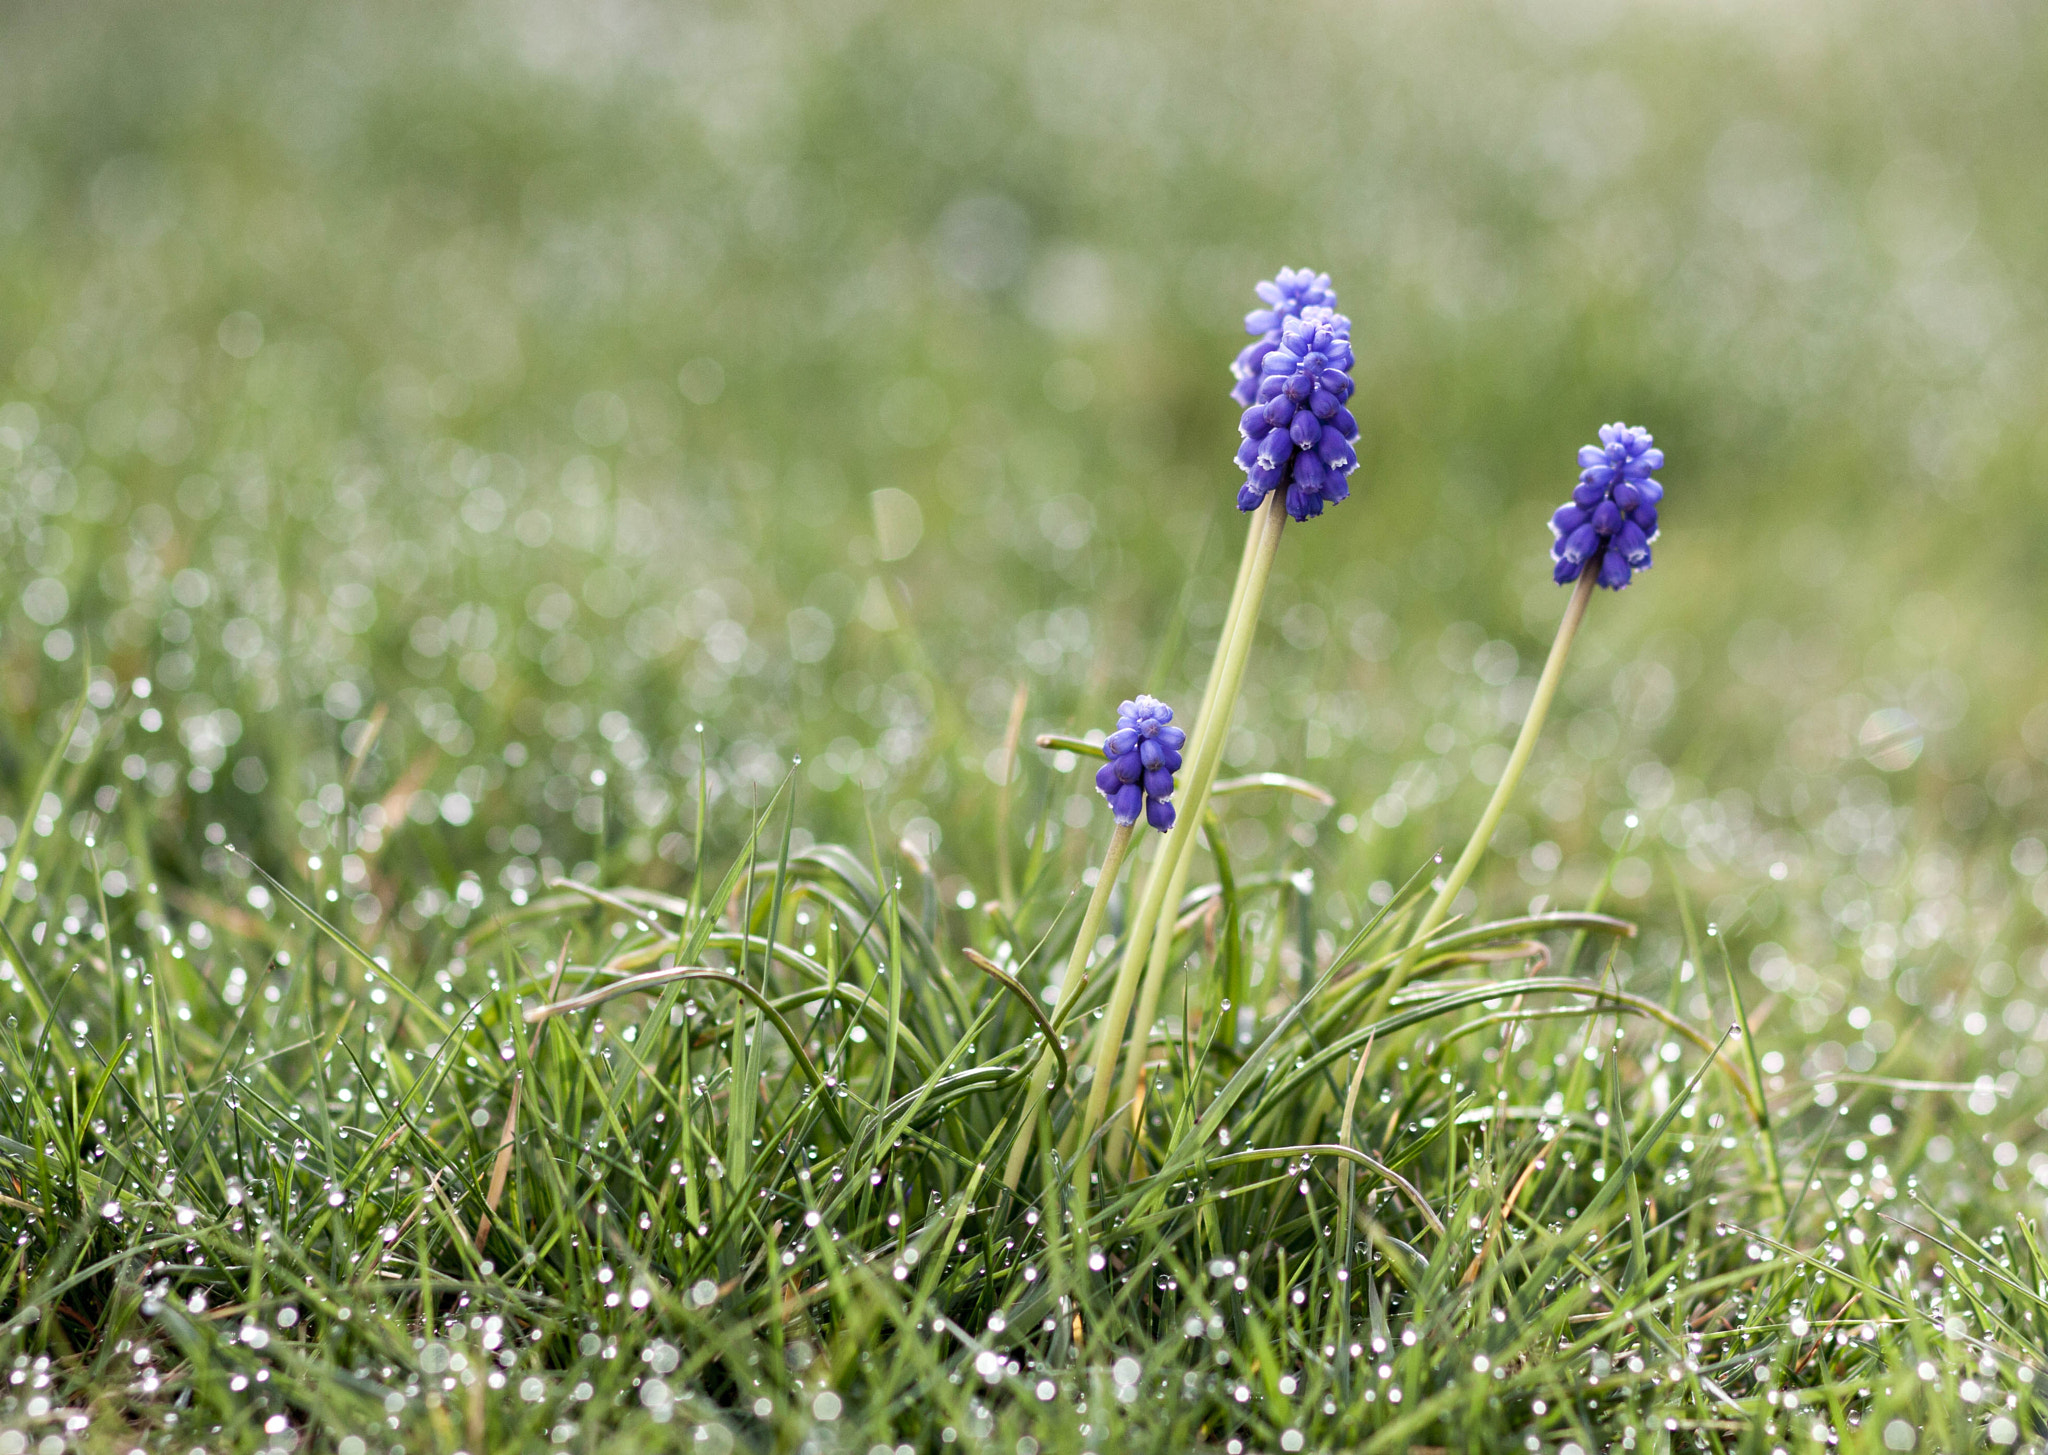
point(501, 1167)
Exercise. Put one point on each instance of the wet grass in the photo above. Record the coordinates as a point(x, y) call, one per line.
point(539, 551)
point(722, 1165)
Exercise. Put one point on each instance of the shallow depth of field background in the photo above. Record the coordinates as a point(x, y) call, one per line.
point(558, 377)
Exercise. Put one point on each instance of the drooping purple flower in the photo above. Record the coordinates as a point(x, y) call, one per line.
point(1284, 296)
point(1298, 435)
point(1144, 754)
point(1608, 524)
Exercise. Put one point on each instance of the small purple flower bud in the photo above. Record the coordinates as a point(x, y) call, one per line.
point(1144, 754)
point(1246, 365)
point(1612, 518)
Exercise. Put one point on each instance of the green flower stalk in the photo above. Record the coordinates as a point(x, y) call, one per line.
point(1482, 834)
point(1210, 731)
point(1152, 987)
point(1602, 537)
point(1071, 986)
point(1141, 757)
point(1170, 870)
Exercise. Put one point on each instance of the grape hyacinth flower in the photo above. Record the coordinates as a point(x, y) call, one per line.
point(1611, 518)
point(1285, 296)
point(1603, 538)
point(1297, 433)
point(1144, 754)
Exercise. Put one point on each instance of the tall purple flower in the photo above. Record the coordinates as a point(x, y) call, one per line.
point(1285, 297)
point(1297, 433)
point(1144, 754)
point(1611, 518)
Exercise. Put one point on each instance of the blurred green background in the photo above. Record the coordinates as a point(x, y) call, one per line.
point(556, 377)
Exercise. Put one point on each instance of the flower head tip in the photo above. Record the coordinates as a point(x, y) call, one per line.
point(1608, 524)
point(1144, 754)
point(1281, 298)
point(1295, 382)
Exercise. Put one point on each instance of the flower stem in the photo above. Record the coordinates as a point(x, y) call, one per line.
point(1159, 884)
point(1482, 834)
point(1071, 986)
point(1148, 995)
point(1212, 728)
point(1175, 865)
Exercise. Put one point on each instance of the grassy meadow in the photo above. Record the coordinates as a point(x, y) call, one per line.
point(498, 500)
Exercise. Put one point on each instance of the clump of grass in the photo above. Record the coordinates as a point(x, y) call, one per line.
point(753, 1198)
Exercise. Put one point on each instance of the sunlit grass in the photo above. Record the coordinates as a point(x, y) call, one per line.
point(1541, 1203)
point(454, 464)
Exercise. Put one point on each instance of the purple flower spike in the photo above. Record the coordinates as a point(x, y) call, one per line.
point(1283, 297)
point(1608, 524)
point(1298, 435)
point(1144, 754)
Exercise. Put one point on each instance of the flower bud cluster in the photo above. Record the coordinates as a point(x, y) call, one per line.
point(1285, 297)
point(1297, 434)
point(1608, 524)
point(1144, 754)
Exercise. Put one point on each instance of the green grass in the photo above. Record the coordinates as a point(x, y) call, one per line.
point(1542, 1206)
point(440, 455)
